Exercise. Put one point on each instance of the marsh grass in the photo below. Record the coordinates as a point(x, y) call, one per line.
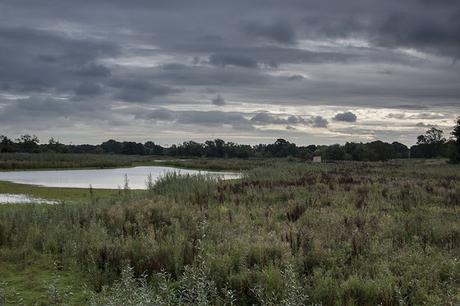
point(28, 161)
point(60, 194)
point(287, 233)
point(16, 161)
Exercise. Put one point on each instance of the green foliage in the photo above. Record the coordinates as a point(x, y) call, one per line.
point(282, 288)
point(132, 291)
point(217, 148)
point(432, 136)
point(455, 151)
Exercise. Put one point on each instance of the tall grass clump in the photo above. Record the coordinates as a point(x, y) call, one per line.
point(189, 189)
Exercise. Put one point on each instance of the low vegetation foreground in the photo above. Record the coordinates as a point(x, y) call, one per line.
point(287, 233)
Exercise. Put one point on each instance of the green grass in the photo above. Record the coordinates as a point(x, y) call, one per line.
point(30, 281)
point(287, 233)
point(216, 164)
point(30, 161)
point(59, 194)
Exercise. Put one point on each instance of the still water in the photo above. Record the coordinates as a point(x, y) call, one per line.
point(8, 198)
point(101, 178)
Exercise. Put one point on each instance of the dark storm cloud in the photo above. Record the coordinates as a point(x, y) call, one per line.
point(228, 59)
point(205, 118)
point(281, 31)
point(218, 101)
point(38, 106)
point(345, 117)
point(175, 67)
point(234, 119)
point(210, 118)
point(181, 74)
point(296, 77)
point(274, 56)
point(319, 122)
point(138, 90)
point(295, 120)
point(437, 34)
point(39, 60)
point(160, 114)
point(88, 89)
point(49, 46)
point(267, 118)
point(91, 70)
point(38, 112)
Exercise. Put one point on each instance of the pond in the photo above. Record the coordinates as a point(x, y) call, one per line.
point(102, 178)
point(8, 198)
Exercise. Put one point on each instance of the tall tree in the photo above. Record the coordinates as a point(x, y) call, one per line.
point(6, 144)
point(28, 143)
point(455, 155)
point(430, 145)
point(432, 136)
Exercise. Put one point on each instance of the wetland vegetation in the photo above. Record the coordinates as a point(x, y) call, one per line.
point(287, 233)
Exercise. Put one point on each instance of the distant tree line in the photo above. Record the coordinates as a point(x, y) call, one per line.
point(430, 145)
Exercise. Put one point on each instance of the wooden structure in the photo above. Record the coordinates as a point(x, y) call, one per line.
point(317, 159)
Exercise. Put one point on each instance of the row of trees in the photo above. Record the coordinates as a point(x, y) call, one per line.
point(430, 145)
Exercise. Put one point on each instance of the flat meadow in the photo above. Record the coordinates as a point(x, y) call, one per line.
point(287, 233)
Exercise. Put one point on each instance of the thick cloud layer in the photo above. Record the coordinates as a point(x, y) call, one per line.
point(218, 101)
point(346, 117)
point(301, 69)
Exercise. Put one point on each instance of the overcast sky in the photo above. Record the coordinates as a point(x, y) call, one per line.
point(248, 71)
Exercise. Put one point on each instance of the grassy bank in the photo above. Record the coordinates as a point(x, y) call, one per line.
point(218, 164)
point(59, 194)
point(37, 279)
point(30, 161)
point(288, 233)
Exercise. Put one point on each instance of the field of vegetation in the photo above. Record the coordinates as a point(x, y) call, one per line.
point(70, 195)
point(30, 161)
point(287, 233)
point(23, 161)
